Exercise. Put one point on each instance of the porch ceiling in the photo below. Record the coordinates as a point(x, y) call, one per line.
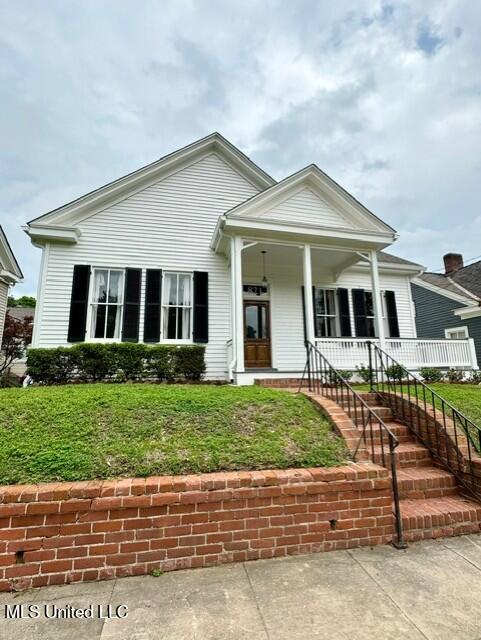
point(327, 261)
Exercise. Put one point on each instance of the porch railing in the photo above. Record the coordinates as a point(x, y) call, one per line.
point(413, 353)
point(451, 437)
point(379, 441)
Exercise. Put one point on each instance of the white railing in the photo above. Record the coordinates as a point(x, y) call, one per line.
point(413, 353)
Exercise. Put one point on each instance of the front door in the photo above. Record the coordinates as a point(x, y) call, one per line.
point(257, 335)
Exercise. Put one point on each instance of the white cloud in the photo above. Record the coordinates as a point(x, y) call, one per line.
point(384, 97)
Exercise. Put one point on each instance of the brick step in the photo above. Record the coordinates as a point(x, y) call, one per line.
point(409, 454)
point(368, 397)
point(440, 517)
point(420, 483)
point(384, 413)
point(402, 433)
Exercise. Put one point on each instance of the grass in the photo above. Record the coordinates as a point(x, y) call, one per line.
point(466, 398)
point(81, 432)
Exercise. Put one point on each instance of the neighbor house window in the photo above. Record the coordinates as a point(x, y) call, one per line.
point(457, 333)
point(325, 313)
point(106, 304)
point(177, 306)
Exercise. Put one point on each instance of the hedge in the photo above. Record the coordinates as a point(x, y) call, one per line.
point(117, 362)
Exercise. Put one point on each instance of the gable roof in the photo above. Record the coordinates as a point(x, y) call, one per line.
point(389, 258)
point(215, 142)
point(319, 182)
point(465, 282)
point(9, 268)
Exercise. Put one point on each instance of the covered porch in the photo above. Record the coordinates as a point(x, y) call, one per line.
point(306, 266)
point(271, 317)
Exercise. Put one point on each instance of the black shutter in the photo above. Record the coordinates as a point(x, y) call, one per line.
point(344, 314)
point(130, 328)
point(201, 306)
point(153, 293)
point(359, 305)
point(79, 303)
point(391, 312)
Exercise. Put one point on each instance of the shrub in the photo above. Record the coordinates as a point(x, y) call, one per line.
point(117, 362)
point(128, 360)
point(454, 375)
point(395, 372)
point(189, 362)
point(364, 373)
point(51, 366)
point(474, 377)
point(159, 364)
point(94, 362)
point(345, 374)
point(431, 374)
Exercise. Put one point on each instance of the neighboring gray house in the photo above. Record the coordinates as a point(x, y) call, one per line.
point(10, 274)
point(448, 305)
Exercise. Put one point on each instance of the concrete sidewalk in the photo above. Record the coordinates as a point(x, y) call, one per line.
point(432, 590)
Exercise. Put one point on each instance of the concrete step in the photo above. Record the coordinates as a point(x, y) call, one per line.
point(409, 454)
point(440, 517)
point(420, 483)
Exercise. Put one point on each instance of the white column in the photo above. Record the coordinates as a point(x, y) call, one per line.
point(376, 299)
point(238, 342)
point(308, 306)
point(231, 364)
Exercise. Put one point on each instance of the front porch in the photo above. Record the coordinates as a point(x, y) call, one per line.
point(307, 265)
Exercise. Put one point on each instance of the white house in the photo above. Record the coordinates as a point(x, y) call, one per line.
point(203, 246)
point(10, 274)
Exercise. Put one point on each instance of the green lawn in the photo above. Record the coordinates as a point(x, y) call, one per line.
point(80, 432)
point(464, 397)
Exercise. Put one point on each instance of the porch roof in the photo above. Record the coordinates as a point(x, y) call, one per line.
point(307, 207)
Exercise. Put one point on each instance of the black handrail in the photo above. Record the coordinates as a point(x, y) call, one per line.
point(388, 374)
point(324, 379)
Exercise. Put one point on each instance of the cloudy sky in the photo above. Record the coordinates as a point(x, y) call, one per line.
point(384, 97)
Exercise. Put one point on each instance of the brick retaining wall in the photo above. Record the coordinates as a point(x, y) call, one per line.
point(70, 532)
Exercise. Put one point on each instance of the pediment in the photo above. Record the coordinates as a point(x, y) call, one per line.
point(307, 208)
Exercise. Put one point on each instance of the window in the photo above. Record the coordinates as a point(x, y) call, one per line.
point(370, 324)
point(457, 333)
point(177, 306)
point(106, 304)
point(325, 313)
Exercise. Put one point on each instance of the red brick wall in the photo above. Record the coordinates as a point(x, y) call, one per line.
point(68, 532)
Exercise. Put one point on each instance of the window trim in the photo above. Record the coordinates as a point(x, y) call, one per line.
point(91, 302)
point(335, 315)
point(453, 329)
point(383, 314)
point(164, 306)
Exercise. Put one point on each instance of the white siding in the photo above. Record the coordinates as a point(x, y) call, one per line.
point(168, 225)
point(3, 306)
point(307, 208)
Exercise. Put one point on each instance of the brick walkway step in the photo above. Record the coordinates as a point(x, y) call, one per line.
point(384, 413)
point(402, 433)
point(409, 454)
point(420, 483)
point(440, 517)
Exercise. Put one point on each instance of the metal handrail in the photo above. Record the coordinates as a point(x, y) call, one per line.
point(324, 379)
point(386, 372)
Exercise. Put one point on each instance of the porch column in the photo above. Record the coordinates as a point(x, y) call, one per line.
point(308, 306)
point(376, 300)
point(237, 303)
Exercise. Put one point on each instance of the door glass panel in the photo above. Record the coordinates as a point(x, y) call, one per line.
point(256, 322)
point(252, 322)
point(262, 323)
